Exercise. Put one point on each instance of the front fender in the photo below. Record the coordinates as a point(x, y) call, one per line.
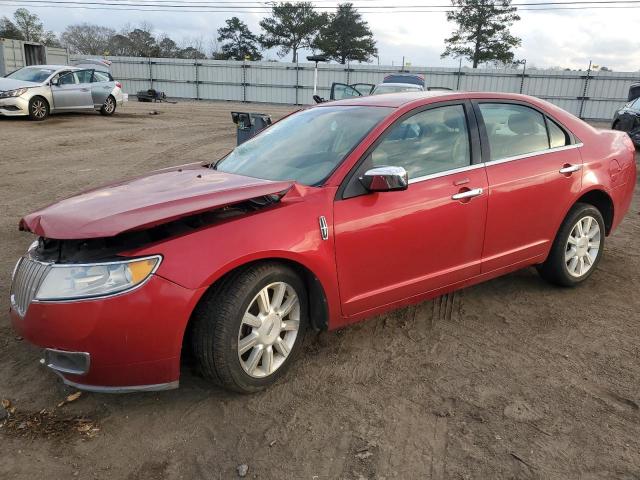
point(289, 231)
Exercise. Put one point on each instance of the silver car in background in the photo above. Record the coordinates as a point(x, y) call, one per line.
point(39, 90)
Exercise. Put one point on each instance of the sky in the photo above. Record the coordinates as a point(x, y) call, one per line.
point(560, 38)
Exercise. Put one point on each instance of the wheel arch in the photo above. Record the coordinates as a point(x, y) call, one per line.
point(603, 202)
point(318, 303)
point(43, 97)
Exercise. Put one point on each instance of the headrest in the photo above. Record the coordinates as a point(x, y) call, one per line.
point(453, 119)
point(522, 124)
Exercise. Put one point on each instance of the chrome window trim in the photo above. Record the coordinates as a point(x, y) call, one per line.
point(493, 162)
point(533, 154)
point(445, 173)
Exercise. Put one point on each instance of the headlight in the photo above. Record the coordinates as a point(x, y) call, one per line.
point(13, 93)
point(70, 282)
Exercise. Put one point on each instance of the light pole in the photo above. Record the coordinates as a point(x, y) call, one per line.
point(316, 59)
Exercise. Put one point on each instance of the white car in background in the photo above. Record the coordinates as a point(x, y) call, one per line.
point(40, 90)
point(392, 83)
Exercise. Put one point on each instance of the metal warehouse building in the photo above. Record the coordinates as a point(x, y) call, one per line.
point(15, 54)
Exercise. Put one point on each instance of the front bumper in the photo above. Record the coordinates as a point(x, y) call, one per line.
point(14, 107)
point(130, 342)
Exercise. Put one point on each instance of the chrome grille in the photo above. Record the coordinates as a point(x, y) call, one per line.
point(27, 279)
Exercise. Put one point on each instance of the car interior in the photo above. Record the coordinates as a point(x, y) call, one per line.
point(513, 130)
point(429, 142)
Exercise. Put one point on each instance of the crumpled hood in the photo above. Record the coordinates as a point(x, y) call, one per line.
point(10, 84)
point(144, 202)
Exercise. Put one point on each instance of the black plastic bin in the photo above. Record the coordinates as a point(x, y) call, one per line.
point(249, 124)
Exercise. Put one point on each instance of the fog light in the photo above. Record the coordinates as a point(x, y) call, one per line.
point(75, 363)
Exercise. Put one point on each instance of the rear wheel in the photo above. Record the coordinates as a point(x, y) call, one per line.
point(38, 109)
point(109, 106)
point(249, 328)
point(578, 247)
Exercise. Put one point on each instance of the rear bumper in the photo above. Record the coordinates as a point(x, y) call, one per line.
point(127, 342)
point(14, 107)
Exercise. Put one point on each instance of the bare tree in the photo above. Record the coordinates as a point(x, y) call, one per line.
point(87, 39)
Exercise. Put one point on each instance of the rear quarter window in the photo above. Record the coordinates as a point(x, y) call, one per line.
point(557, 136)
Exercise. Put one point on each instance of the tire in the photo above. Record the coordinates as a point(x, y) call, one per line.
point(38, 109)
point(231, 318)
point(567, 264)
point(109, 106)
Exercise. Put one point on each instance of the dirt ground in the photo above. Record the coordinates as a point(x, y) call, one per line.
point(510, 379)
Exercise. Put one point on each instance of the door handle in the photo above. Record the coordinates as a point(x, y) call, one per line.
point(570, 168)
point(84, 89)
point(467, 194)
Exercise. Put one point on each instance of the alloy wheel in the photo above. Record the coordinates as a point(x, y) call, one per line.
point(582, 246)
point(109, 105)
point(38, 109)
point(269, 329)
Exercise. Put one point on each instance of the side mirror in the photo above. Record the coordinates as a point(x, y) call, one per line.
point(385, 179)
point(55, 82)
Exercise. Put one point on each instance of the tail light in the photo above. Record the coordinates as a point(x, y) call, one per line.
point(119, 85)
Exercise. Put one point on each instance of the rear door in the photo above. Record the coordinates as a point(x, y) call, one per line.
point(392, 246)
point(534, 173)
point(69, 93)
point(101, 87)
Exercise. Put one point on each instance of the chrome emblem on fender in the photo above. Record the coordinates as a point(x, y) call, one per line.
point(324, 228)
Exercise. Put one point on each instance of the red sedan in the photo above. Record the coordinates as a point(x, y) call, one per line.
point(335, 213)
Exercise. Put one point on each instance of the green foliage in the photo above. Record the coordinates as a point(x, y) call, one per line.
point(9, 30)
point(29, 24)
point(346, 36)
point(292, 26)
point(191, 52)
point(482, 35)
point(238, 43)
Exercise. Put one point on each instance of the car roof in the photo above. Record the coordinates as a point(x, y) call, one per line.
point(417, 98)
point(52, 67)
point(415, 86)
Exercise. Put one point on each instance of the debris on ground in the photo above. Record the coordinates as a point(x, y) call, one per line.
point(243, 470)
point(71, 398)
point(45, 423)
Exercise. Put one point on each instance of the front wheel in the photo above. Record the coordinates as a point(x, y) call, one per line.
point(109, 106)
point(250, 327)
point(38, 109)
point(578, 247)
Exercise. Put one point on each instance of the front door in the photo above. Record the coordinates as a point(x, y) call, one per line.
point(340, 91)
point(69, 93)
point(534, 172)
point(391, 246)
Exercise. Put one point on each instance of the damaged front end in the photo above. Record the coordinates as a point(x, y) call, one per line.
point(83, 244)
point(104, 249)
point(105, 320)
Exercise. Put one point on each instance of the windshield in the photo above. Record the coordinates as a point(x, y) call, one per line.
point(395, 89)
point(304, 147)
point(31, 74)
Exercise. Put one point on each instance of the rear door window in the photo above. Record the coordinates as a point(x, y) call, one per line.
point(101, 77)
point(513, 130)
